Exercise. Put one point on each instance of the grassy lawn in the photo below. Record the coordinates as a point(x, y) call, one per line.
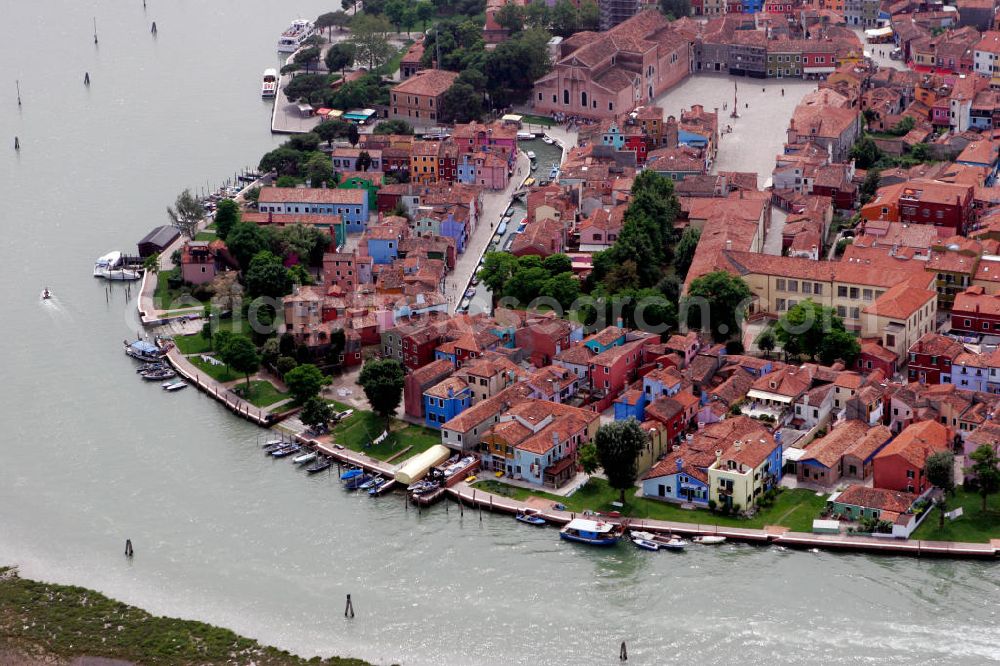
point(262, 393)
point(973, 526)
point(794, 509)
point(537, 120)
point(166, 298)
point(217, 372)
point(362, 427)
point(196, 344)
point(205, 236)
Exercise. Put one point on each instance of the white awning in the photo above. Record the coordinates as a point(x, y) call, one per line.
point(878, 32)
point(764, 395)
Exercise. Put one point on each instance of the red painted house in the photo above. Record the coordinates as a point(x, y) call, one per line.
point(420, 380)
point(638, 143)
point(612, 369)
point(675, 413)
point(930, 359)
point(876, 357)
point(975, 311)
point(543, 339)
point(419, 346)
point(900, 465)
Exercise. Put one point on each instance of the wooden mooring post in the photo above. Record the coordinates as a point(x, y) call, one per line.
point(349, 608)
point(129, 552)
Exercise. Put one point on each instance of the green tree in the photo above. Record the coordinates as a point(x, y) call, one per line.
point(842, 345)
point(557, 263)
point(308, 57)
point(424, 12)
point(304, 381)
point(538, 15)
point(766, 341)
point(618, 445)
point(316, 412)
point(865, 153)
point(564, 288)
point(227, 215)
point(498, 268)
point(921, 152)
point(588, 458)
point(382, 381)
point(806, 327)
point(590, 16)
point(684, 253)
point(460, 103)
point(151, 264)
point(394, 126)
point(306, 88)
point(352, 134)
point(283, 161)
point(305, 143)
point(512, 68)
point(364, 161)
point(339, 57)
point(319, 170)
point(526, 284)
point(722, 298)
point(186, 213)
point(940, 471)
point(676, 8)
point(870, 185)
point(510, 17)
point(984, 468)
point(328, 130)
point(395, 11)
point(240, 354)
point(266, 276)
point(904, 125)
point(565, 18)
point(369, 35)
point(337, 19)
point(244, 241)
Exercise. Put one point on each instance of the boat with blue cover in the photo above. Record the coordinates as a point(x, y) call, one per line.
point(356, 482)
point(351, 473)
point(529, 516)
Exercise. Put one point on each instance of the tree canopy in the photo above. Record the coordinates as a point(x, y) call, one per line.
point(460, 103)
point(316, 412)
point(239, 353)
point(266, 276)
point(940, 471)
point(304, 381)
point(340, 56)
point(227, 215)
point(369, 35)
point(382, 381)
point(186, 213)
point(816, 330)
point(726, 297)
point(619, 444)
point(984, 468)
point(393, 126)
point(245, 241)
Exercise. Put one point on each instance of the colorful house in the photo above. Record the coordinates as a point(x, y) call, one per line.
point(350, 205)
point(367, 181)
point(445, 401)
point(744, 469)
point(680, 477)
point(605, 339)
point(900, 465)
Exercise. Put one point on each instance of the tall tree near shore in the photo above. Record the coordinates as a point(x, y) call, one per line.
point(940, 471)
point(186, 213)
point(984, 468)
point(227, 215)
point(382, 381)
point(240, 354)
point(316, 412)
point(726, 297)
point(305, 381)
point(619, 444)
point(330, 20)
point(587, 456)
point(339, 57)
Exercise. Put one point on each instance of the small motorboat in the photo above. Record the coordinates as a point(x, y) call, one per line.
point(356, 482)
point(46, 294)
point(373, 481)
point(175, 385)
point(156, 375)
point(531, 155)
point(351, 473)
point(529, 516)
point(672, 543)
point(547, 139)
point(273, 446)
point(279, 447)
point(272, 443)
point(708, 540)
point(525, 136)
point(645, 536)
point(287, 451)
point(320, 465)
point(304, 458)
point(646, 544)
point(375, 488)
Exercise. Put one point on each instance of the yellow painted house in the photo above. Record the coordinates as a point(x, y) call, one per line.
point(744, 470)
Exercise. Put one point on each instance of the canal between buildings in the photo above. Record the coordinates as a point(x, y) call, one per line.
point(92, 456)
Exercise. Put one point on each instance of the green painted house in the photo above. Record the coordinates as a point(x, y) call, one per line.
point(363, 180)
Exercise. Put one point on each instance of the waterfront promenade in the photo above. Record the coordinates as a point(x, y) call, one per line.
point(769, 535)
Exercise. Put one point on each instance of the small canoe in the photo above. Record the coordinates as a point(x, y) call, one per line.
point(529, 518)
point(672, 544)
point(646, 544)
point(708, 540)
point(176, 386)
point(319, 465)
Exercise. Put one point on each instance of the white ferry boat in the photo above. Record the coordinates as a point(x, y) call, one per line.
point(112, 267)
point(292, 38)
point(269, 85)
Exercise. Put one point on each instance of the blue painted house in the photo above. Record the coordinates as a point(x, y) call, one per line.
point(662, 382)
point(612, 336)
point(382, 242)
point(350, 204)
point(680, 477)
point(465, 170)
point(455, 228)
point(445, 401)
point(613, 137)
point(631, 405)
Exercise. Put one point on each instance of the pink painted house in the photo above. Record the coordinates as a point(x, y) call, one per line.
point(201, 261)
